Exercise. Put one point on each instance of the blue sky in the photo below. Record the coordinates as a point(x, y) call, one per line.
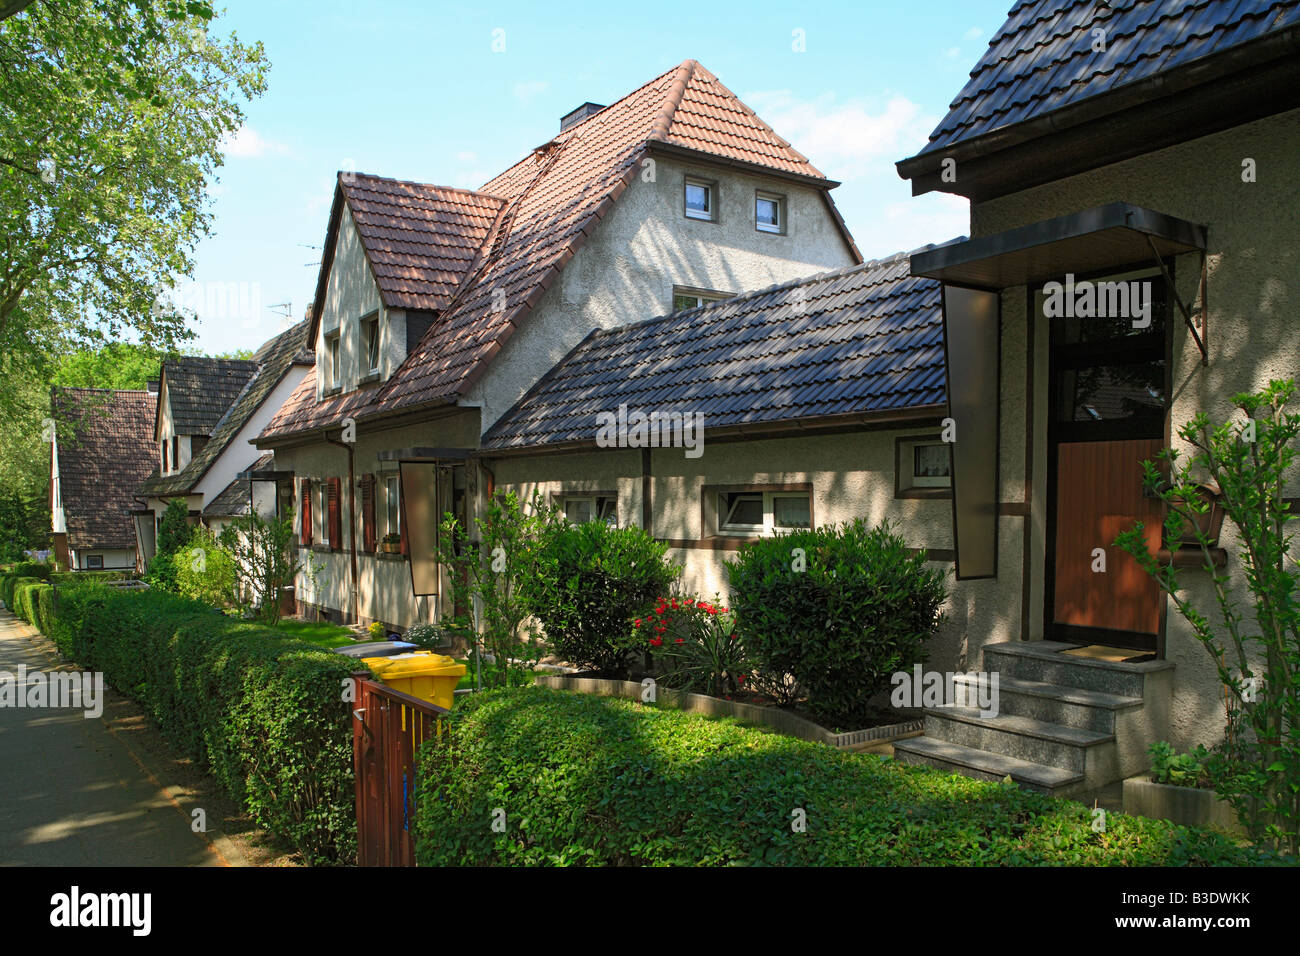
point(415, 91)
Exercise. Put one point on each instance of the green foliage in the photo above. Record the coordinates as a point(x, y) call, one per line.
point(112, 121)
point(593, 781)
point(264, 553)
point(590, 581)
point(1257, 767)
point(695, 646)
point(174, 532)
point(119, 365)
point(205, 571)
point(265, 715)
point(426, 636)
point(1179, 770)
point(377, 630)
point(492, 571)
point(24, 523)
point(838, 608)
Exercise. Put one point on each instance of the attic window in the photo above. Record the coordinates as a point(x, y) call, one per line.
point(700, 200)
point(684, 298)
point(332, 360)
point(370, 339)
point(769, 212)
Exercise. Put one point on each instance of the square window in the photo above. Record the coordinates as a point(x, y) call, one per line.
point(699, 199)
point(95, 561)
point(742, 513)
point(752, 513)
point(769, 213)
point(791, 511)
point(579, 509)
point(924, 467)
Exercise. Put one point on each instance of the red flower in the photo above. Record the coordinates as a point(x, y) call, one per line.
point(637, 622)
point(689, 601)
point(656, 641)
point(680, 640)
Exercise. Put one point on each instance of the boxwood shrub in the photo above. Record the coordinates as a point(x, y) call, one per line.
point(589, 582)
point(262, 713)
point(841, 614)
point(596, 781)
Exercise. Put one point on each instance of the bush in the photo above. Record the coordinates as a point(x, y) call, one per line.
point(265, 715)
point(205, 571)
point(377, 631)
point(426, 636)
point(838, 608)
point(1179, 770)
point(590, 581)
point(695, 646)
point(594, 781)
point(174, 532)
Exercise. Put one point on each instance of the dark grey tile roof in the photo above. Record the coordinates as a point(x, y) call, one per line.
point(274, 359)
point(200, 389)
point(868, 338)
point(1042, 59)
point(234, 498)
point(106, 448)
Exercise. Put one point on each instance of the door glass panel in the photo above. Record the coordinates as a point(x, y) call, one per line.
point(1112, 393)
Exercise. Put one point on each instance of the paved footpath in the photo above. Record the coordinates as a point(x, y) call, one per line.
point(72, 792)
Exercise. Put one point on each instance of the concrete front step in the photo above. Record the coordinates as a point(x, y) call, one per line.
point(1088, 752)
point(1067, 706)
point(982, 765)
point(1043, 661)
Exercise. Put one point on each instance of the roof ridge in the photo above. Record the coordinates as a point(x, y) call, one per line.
point(663, 120)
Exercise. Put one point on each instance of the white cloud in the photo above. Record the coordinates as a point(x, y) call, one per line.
point(467, 156)
point(953, 52)
point(248, 143)
point(974, 33)
point(527, 91)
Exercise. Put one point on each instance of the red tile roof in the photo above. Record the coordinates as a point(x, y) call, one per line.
point(549, 203)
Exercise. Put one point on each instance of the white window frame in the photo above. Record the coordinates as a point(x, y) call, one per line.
point(334, 360)
point(701, 296)
point(908, 479)
point(711, 187)
point(779, 201)
point(603, 507)
point(94, 567)
point(372, 341)
point(769, 498)
point(392, 505)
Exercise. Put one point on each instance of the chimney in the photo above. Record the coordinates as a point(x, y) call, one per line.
point(580, 114)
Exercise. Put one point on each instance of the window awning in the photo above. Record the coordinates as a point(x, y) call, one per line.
point(1106, 237)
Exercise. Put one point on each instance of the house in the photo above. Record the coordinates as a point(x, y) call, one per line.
point(1151, 146)
point(208, 411)
point(100, 451)
point(438, 309)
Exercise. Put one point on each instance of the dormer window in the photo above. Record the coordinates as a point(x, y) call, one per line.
point(370, 341)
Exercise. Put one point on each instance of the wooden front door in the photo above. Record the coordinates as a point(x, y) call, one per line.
point(1099, 494)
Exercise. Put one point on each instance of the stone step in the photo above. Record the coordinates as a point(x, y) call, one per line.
point(1024, 738)
point(1052, 703)
point(982, 765)
point(1043, 661)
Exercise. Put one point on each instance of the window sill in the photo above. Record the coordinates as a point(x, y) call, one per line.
point(324, 549)
point(923, 493)
point(372, 378)
point(331, 392)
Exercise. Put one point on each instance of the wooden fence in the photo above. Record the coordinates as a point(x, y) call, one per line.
point(388, 728)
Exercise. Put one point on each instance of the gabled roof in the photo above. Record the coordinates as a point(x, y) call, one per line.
point(199, 390)
point(104, 453)
point(553, 200)
point(864, 341)
point(1043, 58)
point(274, 360)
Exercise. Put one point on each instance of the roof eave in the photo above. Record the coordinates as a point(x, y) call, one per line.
point(701, 156)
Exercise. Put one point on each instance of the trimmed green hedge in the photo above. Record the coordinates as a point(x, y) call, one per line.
point(596, 781)
point(264, 714)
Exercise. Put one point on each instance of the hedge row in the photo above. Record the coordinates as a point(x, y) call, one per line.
point(265, 715)
point(596, 781)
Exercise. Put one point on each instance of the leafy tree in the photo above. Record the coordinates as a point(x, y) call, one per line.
point(121, 365)
point(112, 116)
point(174, 533)
point(205, 571)
point(1256, 651)
point(265, 556)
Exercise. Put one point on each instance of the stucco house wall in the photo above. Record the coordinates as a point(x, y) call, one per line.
point(1254, 298)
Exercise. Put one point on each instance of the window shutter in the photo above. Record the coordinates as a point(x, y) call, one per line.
point(336, 525)
point(306, 512)
point(368, 512)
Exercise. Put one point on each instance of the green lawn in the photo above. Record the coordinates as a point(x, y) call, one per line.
point(321, 633)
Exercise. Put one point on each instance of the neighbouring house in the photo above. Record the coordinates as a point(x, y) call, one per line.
point(100, 451)
point(208, 411)
point(437, 309)
point(1154, 146)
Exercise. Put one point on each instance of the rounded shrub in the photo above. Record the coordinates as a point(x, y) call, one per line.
point(839, 608)
point(589, 582)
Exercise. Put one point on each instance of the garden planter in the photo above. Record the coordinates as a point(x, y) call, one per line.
point(390, 547)
point(781, 721)
point(1191, 806)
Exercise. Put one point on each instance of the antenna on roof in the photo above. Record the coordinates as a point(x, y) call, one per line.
point(284, 310)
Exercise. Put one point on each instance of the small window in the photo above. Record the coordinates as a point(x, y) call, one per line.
point(763, 512)
point(95, 562)
point(392, 506)
point(579, 509)
point(332, 360)
point(924, 467)
point(769, 212)
point(324, 513)
point(370, 338)
point(684, 298)
point(176, 452)
point(701, 199)
point(165, 466)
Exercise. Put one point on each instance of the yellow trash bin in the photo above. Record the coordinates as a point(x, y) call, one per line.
point(423, 674)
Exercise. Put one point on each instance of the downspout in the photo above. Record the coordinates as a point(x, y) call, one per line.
point(352, 523)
